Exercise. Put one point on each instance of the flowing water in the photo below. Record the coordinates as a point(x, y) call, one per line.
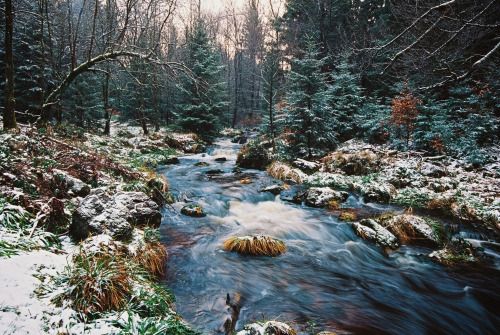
point(328, 278)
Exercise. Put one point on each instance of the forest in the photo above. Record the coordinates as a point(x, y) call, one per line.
point(418, 75)
point(365, 126)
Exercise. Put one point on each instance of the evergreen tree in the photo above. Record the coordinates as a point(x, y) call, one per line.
point(307, 122)
point(347, 99)
point(204, 102)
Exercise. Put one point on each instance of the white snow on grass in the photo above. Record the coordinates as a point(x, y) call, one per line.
point(21, 312)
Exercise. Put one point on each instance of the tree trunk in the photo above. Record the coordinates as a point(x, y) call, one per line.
point(107, 112)
point(140, 112)
point(155, 107)
point(9, 115)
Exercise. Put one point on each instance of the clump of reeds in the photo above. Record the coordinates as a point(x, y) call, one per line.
point(152, 256)
point(95, 283)
point(255, 245)
point(285, 172)
point(347, 217)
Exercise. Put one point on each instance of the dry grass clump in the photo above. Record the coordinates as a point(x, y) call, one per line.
point(347, 217)
point(283, 171)
point(152, 256)
point(333, 204)
point(403, 230)
point(255, 245)
point(157, 181)
point(359, 163)
point(95, 283)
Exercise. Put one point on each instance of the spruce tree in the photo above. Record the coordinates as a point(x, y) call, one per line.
point(347, 99)
point(205, 92)
point(307, 120)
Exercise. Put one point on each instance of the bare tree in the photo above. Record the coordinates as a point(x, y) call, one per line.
point(121, 47)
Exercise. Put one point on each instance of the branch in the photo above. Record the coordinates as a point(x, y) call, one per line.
point(466, 74)
point(430, 10)
point(85, 67)
point(412, 45)
point(468, 23)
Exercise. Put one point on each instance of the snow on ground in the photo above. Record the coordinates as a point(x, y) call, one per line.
point(21, 311)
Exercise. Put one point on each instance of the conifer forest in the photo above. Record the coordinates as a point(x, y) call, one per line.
point(249, 167)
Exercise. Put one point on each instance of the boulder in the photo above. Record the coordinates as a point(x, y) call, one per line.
point(75, 185)
point(274, 189)
point(240, 139)
point(220, 159)
point(216, 171)
point(322, 196)
point(292, 196)
point(170, 161)
point(193, 210)
point(412, 229)
point(377, 192)
point(431, 170)
point(202, 164)
point(267, 328)
point(100, 213)
point(306, 165)
point(371, 231)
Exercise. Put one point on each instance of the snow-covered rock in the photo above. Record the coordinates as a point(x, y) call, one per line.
point(267, 328)
point(274, 189)
point(371, 231)
point(78, 187)
point(306, 165)
point(431, 170)
point(115, 215)
point(412, 229)
point(321, 196)
point(377, 191)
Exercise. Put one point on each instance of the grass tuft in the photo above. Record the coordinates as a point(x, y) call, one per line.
point(152, 256)
point(283, 171)
point(347, 217)
point(255, 245)
point(95, 283)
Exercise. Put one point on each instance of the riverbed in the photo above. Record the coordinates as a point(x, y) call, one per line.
point(329, 279)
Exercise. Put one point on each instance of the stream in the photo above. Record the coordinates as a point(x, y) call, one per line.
point(329, 278)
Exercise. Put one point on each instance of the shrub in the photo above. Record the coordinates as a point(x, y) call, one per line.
point(255, 245)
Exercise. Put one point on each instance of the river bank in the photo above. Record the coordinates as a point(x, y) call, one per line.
point(59, 186)
point(329, 279)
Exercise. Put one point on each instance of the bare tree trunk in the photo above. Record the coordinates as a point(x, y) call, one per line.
point(140, 112)
point(9, 115)
point(41, 4)
point(155, 107)
point(107, 112)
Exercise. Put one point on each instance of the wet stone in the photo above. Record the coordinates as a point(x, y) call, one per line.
point(193, 210)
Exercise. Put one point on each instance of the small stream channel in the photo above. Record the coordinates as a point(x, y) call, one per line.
point(329, 276)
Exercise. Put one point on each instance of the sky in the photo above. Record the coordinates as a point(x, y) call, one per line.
point(219, 5)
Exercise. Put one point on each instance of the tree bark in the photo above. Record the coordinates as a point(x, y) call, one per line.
point(9, 115)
